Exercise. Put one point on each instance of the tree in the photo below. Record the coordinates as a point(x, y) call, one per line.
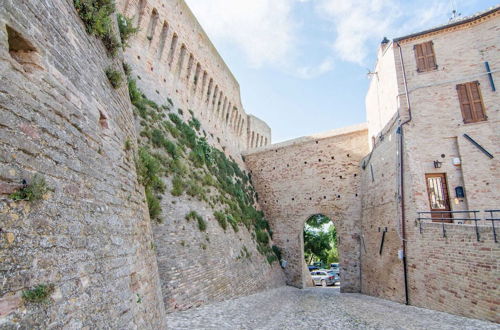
point(320, 243)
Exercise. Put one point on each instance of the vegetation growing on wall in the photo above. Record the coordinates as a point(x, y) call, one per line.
point(126, 28)
point(174, 147)
point(38, 294)
point(32, 191)
point(114, 77)
point(96, 15)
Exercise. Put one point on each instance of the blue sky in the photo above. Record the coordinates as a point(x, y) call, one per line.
point(302, 64)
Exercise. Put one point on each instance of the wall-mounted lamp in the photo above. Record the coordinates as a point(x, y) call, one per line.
point(437, 164)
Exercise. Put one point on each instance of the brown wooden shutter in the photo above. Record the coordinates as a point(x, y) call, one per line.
point(430, 57)
point(477, 102)
point(420, 58)
point(425, 57)
point(465, 105)
point(471, 102)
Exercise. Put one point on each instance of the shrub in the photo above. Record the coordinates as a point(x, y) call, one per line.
point(128, 144)
point(202, 225)
point(126, 29)
point(195, 123)
point(32, 191)
point(221, 219)
point(127, 69)
point(194, 190)
point(178, 186)
point(96, 15)
point(114, 77)
point(277, 251)
point(149, 169)
point(262, 237)
point(153, 205)
point(38, 294)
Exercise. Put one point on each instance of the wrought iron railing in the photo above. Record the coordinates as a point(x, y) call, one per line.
point(493, 217)
point(452, 216)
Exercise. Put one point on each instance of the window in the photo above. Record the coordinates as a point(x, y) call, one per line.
point(471, 102)
point(425, 57)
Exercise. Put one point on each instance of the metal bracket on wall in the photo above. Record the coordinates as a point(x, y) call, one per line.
point(382, 240)
point(477, 145)
point(490, 76)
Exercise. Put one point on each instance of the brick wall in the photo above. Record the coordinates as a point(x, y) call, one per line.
point(456, 274)
point(313, 175)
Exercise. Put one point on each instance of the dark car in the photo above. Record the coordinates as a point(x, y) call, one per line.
point(312, 267)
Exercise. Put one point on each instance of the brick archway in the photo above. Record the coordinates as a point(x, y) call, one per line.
point(307, 176)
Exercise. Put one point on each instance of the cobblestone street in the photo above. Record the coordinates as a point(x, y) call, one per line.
point(317, 308)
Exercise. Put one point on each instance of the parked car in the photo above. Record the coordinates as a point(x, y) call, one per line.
point(336, 276)
point(335, 267)
point(312, 267)
point(323, 277)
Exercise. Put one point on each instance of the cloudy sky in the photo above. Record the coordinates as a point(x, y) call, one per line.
point(302, 64)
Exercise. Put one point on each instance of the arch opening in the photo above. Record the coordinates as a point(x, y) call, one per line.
point(321, 253)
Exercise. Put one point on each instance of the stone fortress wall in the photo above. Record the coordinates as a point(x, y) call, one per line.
point(175, 59)
point(90, 237)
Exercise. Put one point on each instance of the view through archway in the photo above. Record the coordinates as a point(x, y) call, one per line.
point(321, 252)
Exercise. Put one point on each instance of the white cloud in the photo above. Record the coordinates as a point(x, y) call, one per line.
point(262, 29)
point(361, 24)
point(308, 72)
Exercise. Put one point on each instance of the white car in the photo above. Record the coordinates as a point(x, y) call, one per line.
point(324, 277)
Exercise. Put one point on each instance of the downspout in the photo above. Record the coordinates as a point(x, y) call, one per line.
point(401, 171)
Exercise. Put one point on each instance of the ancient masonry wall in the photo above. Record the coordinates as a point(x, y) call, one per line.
point(381, 270)
point(173, 58)
point(90, 237)
point(175, 63)
point(313, 175)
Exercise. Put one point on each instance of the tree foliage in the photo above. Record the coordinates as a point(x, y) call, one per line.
point(320, 243)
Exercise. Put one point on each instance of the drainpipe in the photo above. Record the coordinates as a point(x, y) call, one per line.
point(401, 171)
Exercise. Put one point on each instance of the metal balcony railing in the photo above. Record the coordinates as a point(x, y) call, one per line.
point(493, 217)
point(452, 216)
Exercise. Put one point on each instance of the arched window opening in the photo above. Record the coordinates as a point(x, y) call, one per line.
point(180, 62)
point(223, 107)
point(215, 97)
point(171, 52)
point(140, 12)
point(163, 39)
point(203, 84)
point(189, 68)
point(219, 102)
point(152, 24)
point(196, 76)
point(209, 91)
point(321, 251)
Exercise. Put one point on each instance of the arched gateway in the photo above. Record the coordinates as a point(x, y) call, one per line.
point(313, 175)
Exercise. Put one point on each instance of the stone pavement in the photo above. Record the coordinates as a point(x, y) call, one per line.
point(317, 308)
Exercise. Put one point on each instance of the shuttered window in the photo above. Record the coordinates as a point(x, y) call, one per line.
point(471, 102)
point(425, 57)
